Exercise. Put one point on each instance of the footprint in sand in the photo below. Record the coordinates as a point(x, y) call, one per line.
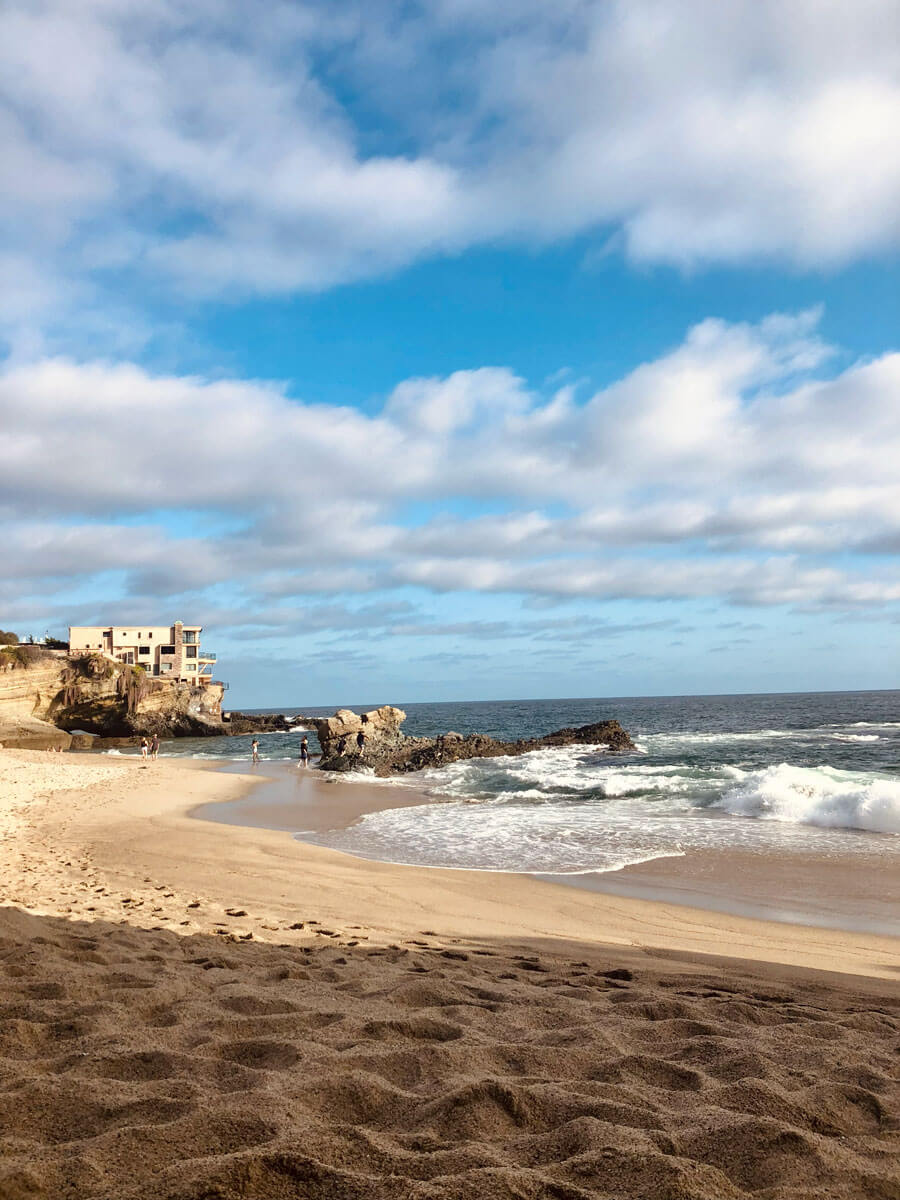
point(261, 1055)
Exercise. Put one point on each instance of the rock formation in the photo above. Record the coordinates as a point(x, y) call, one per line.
point(236, 723)
point(387, 751)
point(46, 694)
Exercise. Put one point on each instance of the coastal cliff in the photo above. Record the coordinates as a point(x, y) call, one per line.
point(45, 694)
point(388, 751)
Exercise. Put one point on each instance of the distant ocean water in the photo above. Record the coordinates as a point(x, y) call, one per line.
point(817, 773)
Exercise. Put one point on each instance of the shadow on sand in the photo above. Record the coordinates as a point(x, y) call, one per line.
point(137, 1063)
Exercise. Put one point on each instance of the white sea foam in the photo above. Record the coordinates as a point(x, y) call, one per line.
point(698, 738)
point(819, 796)
point(518, 837)
point(856, 737)
point(867, 725)
point(570, 810)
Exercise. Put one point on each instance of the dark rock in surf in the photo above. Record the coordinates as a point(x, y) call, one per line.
point(351, 740)
point(236, 723)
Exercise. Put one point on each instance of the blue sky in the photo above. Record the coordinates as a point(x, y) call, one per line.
point(432, 352)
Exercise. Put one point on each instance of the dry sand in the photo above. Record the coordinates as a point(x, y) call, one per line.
point(354, 1029)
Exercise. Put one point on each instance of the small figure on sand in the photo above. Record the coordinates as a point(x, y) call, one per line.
point(361, 742)
point(254, 746)
point(145, 747)
point(304, 752)
point(154, 746)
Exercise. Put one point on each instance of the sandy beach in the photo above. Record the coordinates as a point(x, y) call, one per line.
point(193, 1009)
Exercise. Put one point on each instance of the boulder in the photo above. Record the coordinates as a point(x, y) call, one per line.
point(82, 741)
point(339, 737)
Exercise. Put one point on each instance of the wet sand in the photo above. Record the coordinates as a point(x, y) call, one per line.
point(862, 894)
point(300, 799)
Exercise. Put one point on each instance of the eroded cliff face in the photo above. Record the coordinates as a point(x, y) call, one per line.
point(374, 739)
point(45, 694)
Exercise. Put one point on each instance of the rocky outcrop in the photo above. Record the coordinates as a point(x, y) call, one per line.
point(236, 723)
point(349, 738)
point(352, 740)
point(45, 696)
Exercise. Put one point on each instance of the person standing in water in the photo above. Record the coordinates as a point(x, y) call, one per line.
point(145, 747)
point(154, 746)
point(254, 746)
point(304, 752)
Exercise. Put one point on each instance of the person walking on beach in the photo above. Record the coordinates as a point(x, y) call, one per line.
point(304, 752)
point(154, 746)
point(145, 747)
point(254, 746)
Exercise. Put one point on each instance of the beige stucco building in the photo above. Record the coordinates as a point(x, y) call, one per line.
point(167, 651)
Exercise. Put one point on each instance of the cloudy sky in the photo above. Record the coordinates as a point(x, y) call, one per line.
point(455, 350)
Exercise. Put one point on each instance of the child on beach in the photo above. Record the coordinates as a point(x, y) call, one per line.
point(304, 752)
point(254, 746)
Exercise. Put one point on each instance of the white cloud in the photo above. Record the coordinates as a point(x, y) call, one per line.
point(463, 400)
point(723, 468)
point(185, 142)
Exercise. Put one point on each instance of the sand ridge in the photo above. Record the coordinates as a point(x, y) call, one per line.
point(143, 1065)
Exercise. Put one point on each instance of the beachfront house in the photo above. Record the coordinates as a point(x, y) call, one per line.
point(167, 651)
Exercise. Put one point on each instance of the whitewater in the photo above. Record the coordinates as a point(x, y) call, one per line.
point(817, 774)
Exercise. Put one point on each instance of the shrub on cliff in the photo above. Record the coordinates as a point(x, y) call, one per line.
point(8, 639)
point(22, 656)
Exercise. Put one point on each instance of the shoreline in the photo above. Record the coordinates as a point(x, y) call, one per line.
point(791, 888)
point(123, 846)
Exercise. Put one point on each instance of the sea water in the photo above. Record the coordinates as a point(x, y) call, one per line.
point(814, 773)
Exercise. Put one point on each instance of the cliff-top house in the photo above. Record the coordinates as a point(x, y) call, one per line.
point(168, 651)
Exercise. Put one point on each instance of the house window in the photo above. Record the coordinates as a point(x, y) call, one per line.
point(190, 652)
point(143, 649)
point(150, 636)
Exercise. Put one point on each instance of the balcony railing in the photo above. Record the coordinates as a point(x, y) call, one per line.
point(206, 656)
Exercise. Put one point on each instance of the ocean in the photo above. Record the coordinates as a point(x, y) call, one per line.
point(814, 773)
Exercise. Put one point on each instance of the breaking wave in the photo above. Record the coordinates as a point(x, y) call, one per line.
point(819, 796)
